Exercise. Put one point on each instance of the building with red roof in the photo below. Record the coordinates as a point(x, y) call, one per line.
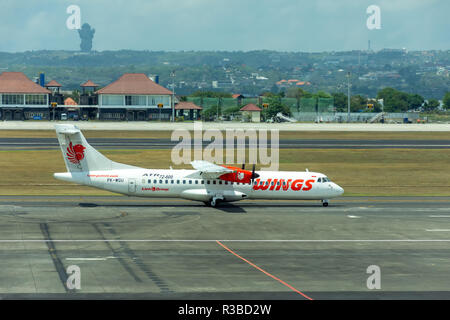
point(22, 98)
point(70, 102)
point(188, 110)
point(251, 112)
point(89, 84)
point(134, 96)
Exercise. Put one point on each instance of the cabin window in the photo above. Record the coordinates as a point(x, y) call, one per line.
point(184, 181)
point(167, 181)
point(160, 181)
point(190, 181)
point(319, 180)
point(202, 182)
point(178, 181)
point(220, 182)
point(226, 182)
point(214, 181)
point(196, 181)
point(208, 181)
point(171, 181)
point(155, 181)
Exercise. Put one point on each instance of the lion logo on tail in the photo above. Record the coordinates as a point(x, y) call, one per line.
point(75, 153)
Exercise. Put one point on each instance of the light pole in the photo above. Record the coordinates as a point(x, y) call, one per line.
point(173, 95)
point(160, 106)
point(348, 96)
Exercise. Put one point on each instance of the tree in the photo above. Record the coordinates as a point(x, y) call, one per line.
point(415, 101)
point(394, 100)
point(322, 94)
point(340, 101)
point(295, 93)
point(432, 105)
point(274, 107)
point(211, 94)
point(446, 100)
point(358, 103)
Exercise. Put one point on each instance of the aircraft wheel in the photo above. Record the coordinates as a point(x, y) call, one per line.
point(325, 204)
point(207, 203)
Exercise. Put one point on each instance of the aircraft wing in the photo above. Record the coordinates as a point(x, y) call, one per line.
point(209, 170)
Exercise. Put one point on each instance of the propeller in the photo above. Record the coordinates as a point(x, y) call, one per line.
point(254, 175)
point(243, 166)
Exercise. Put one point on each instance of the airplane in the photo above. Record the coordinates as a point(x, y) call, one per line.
point(208, 182)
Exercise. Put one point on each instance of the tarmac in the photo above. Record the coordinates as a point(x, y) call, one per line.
point(136, 248)
point(115, 143)
point(163, 126)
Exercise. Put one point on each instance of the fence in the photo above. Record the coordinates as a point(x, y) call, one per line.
point(303, 109)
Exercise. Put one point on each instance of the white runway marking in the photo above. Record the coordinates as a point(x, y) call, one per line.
point(90, 259)
point(239, 240)
point(438, 230)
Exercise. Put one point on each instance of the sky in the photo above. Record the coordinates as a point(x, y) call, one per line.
point(226, 25)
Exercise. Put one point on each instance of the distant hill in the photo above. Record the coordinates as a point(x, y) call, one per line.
point(252, 72)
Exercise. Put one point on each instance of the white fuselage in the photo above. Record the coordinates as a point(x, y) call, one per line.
point(189, 184)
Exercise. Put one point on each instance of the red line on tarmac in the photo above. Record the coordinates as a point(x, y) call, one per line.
point(263, 271)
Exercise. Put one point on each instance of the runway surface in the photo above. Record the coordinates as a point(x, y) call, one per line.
point(162, 126)
point(108, 143)
point(133, 248)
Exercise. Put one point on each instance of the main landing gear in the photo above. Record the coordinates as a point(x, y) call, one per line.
point(325, 203)
point(214, 202)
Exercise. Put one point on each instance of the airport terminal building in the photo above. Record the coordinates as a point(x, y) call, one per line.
point(22, 98)
point(133, 97)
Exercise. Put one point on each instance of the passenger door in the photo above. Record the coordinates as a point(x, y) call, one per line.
point(131, 185)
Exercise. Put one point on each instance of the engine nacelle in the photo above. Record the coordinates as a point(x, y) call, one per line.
point(238, 175)
point(207, 195)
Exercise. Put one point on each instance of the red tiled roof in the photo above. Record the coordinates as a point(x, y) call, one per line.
point(70, 102)
point(134, 83)
point(183, 105)
point(89, 83)
point(237, 95)
point(17, 82)
point(53, 83)
point(250, 107)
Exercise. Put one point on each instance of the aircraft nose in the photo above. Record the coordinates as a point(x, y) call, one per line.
point(339, 189)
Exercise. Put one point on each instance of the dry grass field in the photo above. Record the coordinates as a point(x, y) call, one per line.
point(283, 135)
point(374, 172)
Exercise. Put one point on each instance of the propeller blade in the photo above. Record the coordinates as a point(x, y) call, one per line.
point(254, 175)
point(243, 166)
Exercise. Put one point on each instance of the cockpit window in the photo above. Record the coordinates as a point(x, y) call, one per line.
point(319, 180)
